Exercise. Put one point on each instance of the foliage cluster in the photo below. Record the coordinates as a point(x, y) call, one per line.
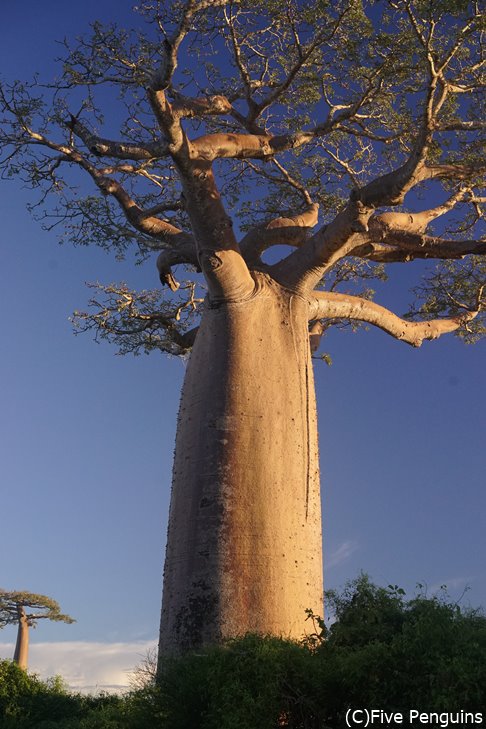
point(382, 650)
point(364, 118)
point(26, 702)
point(13, 603)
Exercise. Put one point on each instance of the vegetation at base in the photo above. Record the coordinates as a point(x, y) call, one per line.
point(382, 651)
point(26, 702)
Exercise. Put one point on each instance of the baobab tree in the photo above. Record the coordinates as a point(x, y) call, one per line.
point(276, 156)
point(25, 609)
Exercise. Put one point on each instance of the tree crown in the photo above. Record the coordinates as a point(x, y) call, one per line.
point(350, 132)
point(34, 606)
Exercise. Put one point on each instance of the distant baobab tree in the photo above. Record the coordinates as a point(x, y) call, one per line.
point(25, 609)
point(281, 154)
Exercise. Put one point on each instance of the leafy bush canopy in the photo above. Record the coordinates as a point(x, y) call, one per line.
point(383, 650)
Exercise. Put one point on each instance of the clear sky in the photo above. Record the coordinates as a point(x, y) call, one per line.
point(87, 437)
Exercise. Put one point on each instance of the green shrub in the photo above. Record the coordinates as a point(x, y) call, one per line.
point(26, 702)
point(386, 652)
point(382, 651)
point(249, 682)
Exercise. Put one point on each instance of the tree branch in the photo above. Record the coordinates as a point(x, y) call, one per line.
point(141, 321)
point(285, 179)
point(304, 55)
point(329, 305)
point(218, 253)
point(304, 268)
point(291, 231)
point(391, 188)
point(261, 146)
point(458, 125)
point(388, 245)
point(244, 74)
point(137, 216)
point(162, 78)
point(187, 107)
point(184, 253)
point(416, 222)
point(120, 150)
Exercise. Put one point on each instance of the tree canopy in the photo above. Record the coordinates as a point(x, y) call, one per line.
point(35, 607)
point(350, 131)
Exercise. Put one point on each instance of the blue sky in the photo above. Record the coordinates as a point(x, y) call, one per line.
point(87, 437)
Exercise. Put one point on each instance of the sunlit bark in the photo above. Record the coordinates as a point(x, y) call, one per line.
point(244, 539)
point(329, 305)
point(21, 654)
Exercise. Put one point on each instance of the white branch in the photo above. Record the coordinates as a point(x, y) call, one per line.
point(330, 305)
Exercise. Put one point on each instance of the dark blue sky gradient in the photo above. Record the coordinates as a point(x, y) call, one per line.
point(87, 437)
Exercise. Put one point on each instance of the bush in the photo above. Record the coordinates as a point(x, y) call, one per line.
point(382, 651)
point(26, 702)
point(386, 652)
point(249, 682)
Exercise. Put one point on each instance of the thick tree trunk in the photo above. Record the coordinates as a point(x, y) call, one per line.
point(244, 540)
point(21, 654)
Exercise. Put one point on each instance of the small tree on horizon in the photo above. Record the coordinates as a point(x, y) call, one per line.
point(15, 609)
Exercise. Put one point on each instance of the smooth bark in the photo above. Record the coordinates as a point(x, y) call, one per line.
point(329, 305)
point(21, 653)
point(244, 539)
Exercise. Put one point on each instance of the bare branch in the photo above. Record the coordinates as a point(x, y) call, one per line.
point(461, 37)
point(416, 222)
point(186, 107)
point(162, 78)
point(183, 253)
point(293, 182)
point(304, 55)
point(141, 321)
point(395, 246)
point(121, 150)
point(454, 171)
point(459, 125)
point(245, 76)
point(390, 189)
point(262, 146)
point(305, 267)
point(329, 305)
point(139, 218)
point(284, 179)
point(293, 231)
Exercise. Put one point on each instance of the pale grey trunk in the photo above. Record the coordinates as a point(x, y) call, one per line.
point(244, 538)
point(21, 653)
